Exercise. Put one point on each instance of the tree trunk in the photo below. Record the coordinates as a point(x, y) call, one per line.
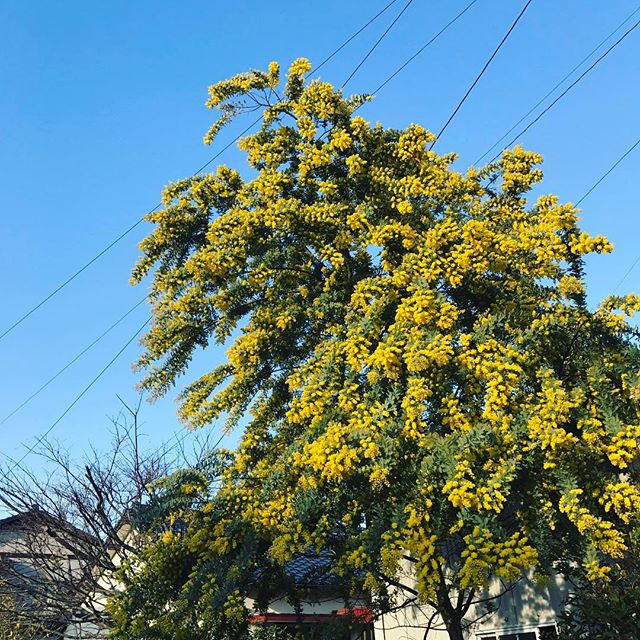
point(454, 628)
point(452, 615)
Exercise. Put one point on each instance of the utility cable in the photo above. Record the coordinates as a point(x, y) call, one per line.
point(557, 85)
point(136, 224)
point(595, 184)
point(72, 361)
point(611, 168)
point(375, 45)
point(354, 35)
point(79, 396)
point(482, 71)
point(414, 56)
point(423, 47)
point(76, 274)
point(573, 84)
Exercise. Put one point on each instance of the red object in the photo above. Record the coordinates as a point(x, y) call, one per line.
point(360, 614)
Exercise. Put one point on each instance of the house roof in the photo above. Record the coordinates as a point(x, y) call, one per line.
point(45, 519)
point(312, 569)
point(12, 520)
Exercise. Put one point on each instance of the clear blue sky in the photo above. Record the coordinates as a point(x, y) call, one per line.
point(102, 104)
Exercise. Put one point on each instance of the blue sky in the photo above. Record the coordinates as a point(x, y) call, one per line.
point(103, 103)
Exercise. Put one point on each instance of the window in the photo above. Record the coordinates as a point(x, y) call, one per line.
point(546, 632)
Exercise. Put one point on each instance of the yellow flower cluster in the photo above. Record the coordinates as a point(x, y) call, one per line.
point(438, 352)
point(319, 101)
point(601, 534)
point(234, 608)
point(483, 555)
point(569, 286)
point(379, 477)
point(386, 358)
point(355, 163)
point(623, 498)
point(358, 558)
point(552, 412)
point(584, 243)
point(330, 455)
point(596, 572)
point(414, 405)
point(495, 365)
point(340, 140)
point(624, 447)
point(299, 67)
point(488, 495)
point(413, 142)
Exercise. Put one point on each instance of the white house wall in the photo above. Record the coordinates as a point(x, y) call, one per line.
point(527, 606)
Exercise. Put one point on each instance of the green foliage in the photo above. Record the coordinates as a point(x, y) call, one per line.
point(606, 610)
point(16, 623)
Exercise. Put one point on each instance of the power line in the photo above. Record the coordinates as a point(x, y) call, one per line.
point(80, 395)
point(414, 56)
point(595, 184)
point(378, 41)
point(482, 71)
point(557, 85)
point(611, 168)
point(136, 224)
point(424, 46)
point(573, 84)
point(114, 242)
point(354, 35)
point(634, 264)
point(72, 361)
point(75, 275)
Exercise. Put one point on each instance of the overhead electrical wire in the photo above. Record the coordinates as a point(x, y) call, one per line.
point(72, 361)
point(571, 86)
point(634, 264)
point(40, 438)
point(354, 35)
point(375, 45)
point(558, 84)
point(482, 72)
point(423, 47)
point(414, 56)
point(140, 220)
point(75, 275)
point(611, 168)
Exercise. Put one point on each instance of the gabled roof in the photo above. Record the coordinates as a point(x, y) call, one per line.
point(44, 518)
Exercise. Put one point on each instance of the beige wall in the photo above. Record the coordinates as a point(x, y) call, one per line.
point(525, 607)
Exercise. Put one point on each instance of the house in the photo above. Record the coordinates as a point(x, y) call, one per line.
point(89, 623)
point(525, 610)
point(321, 599)
point(40, 570)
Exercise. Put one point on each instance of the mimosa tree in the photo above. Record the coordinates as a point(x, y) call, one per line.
point(411, 353)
